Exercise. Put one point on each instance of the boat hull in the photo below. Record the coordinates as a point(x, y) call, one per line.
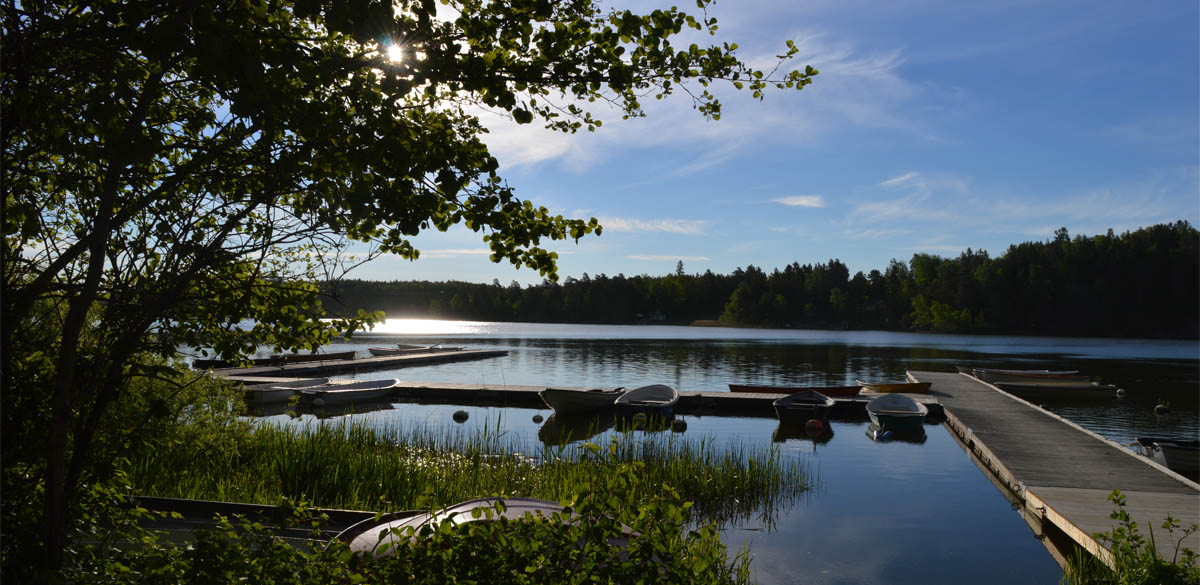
point(898, 423)
point(844, 391)
point(802, 407)
point(1182, 457)
point(1038, 391)
point(576, 402)
point(656, 400)
point(897, 413)
point(410, 350)
point(337, 394)
point(1047, 379)
point(896, 387)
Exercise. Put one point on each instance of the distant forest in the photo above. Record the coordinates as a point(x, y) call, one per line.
point(1144, 283)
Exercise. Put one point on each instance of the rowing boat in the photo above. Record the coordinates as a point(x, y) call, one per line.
point(331, 394)
point(565, 401)
point(826, 390)
point(890, 387)
point(653, 400)
point(897, 413)
point(803, 406)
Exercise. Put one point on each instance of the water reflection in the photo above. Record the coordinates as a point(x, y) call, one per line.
point(802, 432)
point(916, 437)
point(560, 430)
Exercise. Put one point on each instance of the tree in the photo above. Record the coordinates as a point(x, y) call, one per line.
point(172, 170)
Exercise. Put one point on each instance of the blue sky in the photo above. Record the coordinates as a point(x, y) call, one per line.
point(934, 126)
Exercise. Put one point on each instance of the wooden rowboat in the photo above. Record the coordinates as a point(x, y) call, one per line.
point(890, 387)
point(826, 390)
point(897, 413)
point(332, 394)
point(654, 400)
point(568, 402)
point(803, 406)
point(280, 392)
point(276, 360)
point(403, 349)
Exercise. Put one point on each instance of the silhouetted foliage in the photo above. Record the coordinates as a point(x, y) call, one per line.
point(1138, 284)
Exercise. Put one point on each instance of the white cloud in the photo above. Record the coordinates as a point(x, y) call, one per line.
point(693, 227)
point(899, 180)
point(452, 253)
point(801, 201)
point(667, 257)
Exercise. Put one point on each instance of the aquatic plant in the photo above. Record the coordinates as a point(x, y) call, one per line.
point(349, 465)
point(585, 543)
point(1136, 560)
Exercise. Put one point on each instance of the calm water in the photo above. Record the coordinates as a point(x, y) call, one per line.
point(893, 512)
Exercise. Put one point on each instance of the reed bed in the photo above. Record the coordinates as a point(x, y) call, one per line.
point(347, 465)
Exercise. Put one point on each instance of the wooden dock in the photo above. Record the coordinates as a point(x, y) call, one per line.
point(330, 367)
point(707, 403)
point(1061, 473)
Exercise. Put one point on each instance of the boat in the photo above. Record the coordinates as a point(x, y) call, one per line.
point(299, 358)
point(402, 349)
point(1180, 456)
point(275, 360)
point(897, 413)
point(803, 406)
point(1045, 373)
point(889, 387)
point(1058, 389)
point(826, 390)
point(654, 400)
point(280, 391)
point(994, 376)
point(567, 402)
point(377, 536)
point(331, 394)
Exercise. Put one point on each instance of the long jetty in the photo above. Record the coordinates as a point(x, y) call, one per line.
point(1059, 472)
point(326, 367)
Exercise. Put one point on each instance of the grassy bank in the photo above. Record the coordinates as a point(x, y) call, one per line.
point(347, 465)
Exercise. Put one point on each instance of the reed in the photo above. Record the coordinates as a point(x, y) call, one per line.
point(347, 465)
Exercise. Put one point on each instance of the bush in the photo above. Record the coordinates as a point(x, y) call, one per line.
point(1136, 559)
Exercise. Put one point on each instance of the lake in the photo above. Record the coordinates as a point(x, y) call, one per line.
point(895, 512)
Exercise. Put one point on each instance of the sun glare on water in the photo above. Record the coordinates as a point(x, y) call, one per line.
point(428, 327)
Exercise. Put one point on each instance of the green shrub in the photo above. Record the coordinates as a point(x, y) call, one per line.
point(1136, 559)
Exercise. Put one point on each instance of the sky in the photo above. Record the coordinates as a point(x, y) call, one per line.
point(934, 126)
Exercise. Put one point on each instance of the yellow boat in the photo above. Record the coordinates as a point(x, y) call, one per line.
point(887, 387)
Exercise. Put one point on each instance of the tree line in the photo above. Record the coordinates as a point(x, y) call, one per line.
point(1144, 283)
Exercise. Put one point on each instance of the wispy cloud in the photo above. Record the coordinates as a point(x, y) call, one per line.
point(906, 177)
point(693, 227)
point(452, 253)
point(667, 257)
point(801, 201)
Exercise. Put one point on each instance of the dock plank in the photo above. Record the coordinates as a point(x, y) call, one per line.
point(1059, 469)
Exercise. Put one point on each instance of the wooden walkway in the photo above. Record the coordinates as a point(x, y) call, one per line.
point(1061, 472)
point(326, 368)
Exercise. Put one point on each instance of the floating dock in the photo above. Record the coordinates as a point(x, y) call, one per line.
point(1060, 473)
point(328, 367)
point(700, 403)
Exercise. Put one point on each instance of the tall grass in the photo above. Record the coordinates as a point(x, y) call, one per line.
point(346, 465)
